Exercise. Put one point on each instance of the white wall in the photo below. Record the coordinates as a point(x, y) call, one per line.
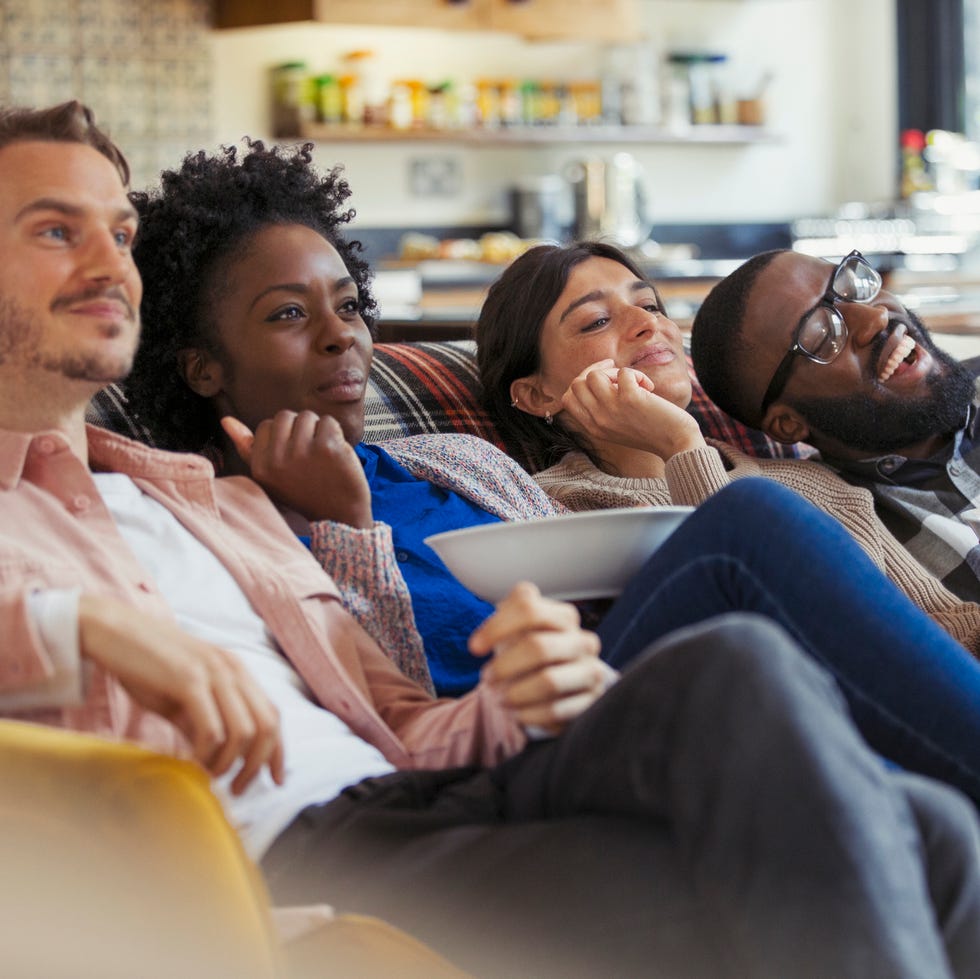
point(831, 104)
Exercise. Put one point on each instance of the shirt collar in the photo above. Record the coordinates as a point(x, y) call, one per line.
point(107, 451)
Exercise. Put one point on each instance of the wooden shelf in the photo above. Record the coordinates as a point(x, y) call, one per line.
point(538, 136)
point(577, 20)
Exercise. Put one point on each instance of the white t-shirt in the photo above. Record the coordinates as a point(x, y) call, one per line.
point(322, 755)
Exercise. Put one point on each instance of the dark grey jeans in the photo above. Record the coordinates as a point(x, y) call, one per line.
point(715, 814)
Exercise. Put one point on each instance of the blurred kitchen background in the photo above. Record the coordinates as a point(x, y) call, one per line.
point(694, 132)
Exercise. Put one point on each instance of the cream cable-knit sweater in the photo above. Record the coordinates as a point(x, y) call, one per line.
point(692, 477)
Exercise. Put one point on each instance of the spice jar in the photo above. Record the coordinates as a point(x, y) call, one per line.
point(293, 101)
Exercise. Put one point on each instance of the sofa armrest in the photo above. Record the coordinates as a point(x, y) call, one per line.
point(119, 862)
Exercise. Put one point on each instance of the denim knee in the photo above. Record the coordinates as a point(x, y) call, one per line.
point(757, 494)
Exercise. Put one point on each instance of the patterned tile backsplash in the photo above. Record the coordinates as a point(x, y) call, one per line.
point(144, 66)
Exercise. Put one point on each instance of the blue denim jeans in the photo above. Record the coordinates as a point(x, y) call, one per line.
point(913, 691)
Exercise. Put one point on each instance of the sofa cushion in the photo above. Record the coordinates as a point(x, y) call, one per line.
point(423, 387)
point(432, 386)
point(110, 409)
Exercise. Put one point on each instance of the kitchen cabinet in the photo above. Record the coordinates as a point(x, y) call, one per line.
point(595, 20)
point(467, 15)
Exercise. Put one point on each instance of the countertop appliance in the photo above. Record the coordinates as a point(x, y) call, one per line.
point(609, 199)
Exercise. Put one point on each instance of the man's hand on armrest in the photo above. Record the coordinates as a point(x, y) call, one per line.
point(200, 688)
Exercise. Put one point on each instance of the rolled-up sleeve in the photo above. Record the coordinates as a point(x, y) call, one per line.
point(42, 664)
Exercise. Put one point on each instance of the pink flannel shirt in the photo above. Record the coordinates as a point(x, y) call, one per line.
point(55, 532)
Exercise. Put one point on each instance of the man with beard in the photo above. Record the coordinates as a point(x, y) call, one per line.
point(809, 351)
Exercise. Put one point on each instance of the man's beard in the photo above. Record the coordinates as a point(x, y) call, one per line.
point(20, 345)
point(859, 421)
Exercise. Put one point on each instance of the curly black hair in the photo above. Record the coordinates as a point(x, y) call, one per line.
point(199, 220)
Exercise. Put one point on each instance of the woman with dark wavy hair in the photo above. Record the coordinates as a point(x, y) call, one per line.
point(584, 374)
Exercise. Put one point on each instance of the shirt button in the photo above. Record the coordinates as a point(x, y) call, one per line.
point(46, 446)
point(401, 556)
point(80, 503)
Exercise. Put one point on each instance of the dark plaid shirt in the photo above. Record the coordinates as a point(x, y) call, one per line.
point(931, 505)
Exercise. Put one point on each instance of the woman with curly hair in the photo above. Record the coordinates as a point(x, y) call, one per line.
point(191, 232)
point(256, 307)
point(257, 320)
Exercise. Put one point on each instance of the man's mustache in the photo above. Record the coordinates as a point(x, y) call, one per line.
point(95, 292)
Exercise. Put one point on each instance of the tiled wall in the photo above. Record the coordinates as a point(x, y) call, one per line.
point(144, 66)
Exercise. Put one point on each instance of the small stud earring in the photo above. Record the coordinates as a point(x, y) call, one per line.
point(548, 420)
point(513, 403)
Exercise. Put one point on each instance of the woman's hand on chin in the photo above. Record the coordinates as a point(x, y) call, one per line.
point(303, 462)
point(620, 405)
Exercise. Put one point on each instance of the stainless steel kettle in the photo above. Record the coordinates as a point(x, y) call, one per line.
point(609, 200)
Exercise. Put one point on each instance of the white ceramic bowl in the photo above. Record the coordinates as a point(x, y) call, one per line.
point(572, 557)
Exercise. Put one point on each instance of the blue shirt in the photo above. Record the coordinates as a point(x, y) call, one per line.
point(445, 612)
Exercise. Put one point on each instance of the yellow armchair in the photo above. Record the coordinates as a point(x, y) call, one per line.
point(119, 862)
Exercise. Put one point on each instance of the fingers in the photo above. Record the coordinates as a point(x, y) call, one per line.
point(549, 678)
point(289, 436)
point(536, 651)
point(586, 384)
point(553, 715)
point(604, 396)
point(251, 733)
point(545, 667)
point(522, 610)
point(199, 718)
point(264, 749)
point(201, 689)
point(630, 379)
point(240, 435)
point(227, 718)
point(276, 440)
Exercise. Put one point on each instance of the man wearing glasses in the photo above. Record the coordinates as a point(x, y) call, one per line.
point(809, 351)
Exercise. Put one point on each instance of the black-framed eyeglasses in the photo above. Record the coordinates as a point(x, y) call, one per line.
point(822, 333)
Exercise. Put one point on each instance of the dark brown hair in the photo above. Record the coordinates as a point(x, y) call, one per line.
point(70, 122)
point(508, 337)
